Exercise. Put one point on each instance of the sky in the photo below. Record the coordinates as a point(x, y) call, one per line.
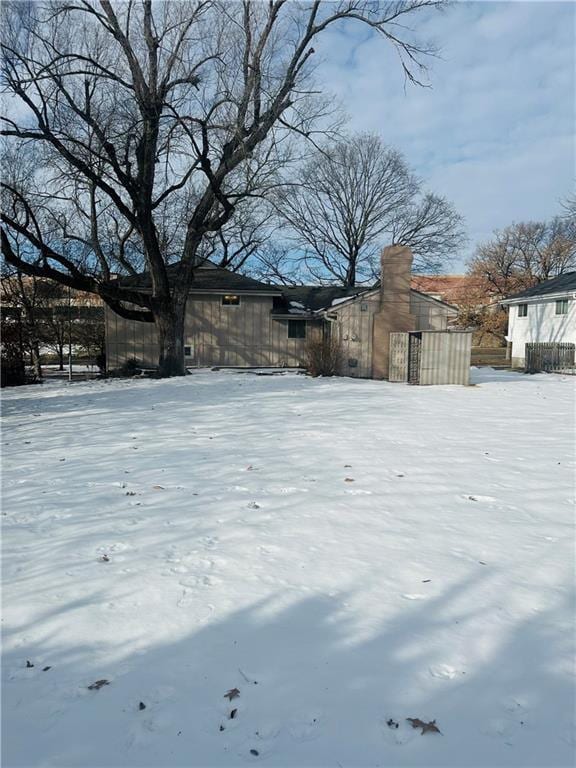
point(495, 131)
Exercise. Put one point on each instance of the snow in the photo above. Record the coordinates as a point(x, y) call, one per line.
point(341, 300)
point(296, 308)
point(344, 552)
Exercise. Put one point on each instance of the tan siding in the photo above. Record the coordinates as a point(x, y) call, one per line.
point(354, 327)
point(430, 316)
point(244, 335)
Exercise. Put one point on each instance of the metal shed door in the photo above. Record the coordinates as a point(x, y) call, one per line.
point(398, 366)
point(414, 353)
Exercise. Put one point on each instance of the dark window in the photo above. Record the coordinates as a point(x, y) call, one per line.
point(230, 301)
point(522, 310)
point(187, 351)
point(296, 329)
point(562, 307)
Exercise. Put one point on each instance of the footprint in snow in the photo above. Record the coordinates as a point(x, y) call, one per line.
point(188, 600)
point(152, 720)
point(285, 490)
point(358, 492)
point(479, 498)
point(260, 745)
point(415, 596)
point(396, 736)
point(503, 728)
point(445, 672)
point(306, 728)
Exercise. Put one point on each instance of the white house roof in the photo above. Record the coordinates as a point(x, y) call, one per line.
point(561, 286)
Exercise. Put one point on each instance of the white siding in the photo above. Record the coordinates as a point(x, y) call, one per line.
point(541, 324)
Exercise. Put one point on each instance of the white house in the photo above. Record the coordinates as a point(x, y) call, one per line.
point(544, 313)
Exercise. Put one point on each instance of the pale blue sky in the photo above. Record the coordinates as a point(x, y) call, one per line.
point(495, 132)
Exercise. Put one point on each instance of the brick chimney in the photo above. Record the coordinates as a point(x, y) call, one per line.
point(394, 312)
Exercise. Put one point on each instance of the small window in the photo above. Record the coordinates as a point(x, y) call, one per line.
point(187, 351)
point(296, 329)
point(562, 307)
point(230, 300)
point(522, 310)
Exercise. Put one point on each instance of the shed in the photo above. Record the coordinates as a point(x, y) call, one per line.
point(431, 357)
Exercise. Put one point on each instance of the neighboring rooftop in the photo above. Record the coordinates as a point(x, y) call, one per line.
point(454, 289)
point(564, 283)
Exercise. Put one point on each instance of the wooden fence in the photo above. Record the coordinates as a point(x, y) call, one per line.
point(549, 357)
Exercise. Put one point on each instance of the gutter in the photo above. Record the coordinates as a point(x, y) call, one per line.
point(539, 298)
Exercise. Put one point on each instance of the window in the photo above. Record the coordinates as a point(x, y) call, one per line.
point(562, 307)
point(296, 329)
point(230, 300)
point(187, 351)
point(522, 310)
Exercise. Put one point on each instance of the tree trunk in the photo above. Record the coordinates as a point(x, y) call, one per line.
point(60, 357)
point(170, 325)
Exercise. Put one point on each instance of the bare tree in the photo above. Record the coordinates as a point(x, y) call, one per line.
point(150, 122)
point(356, 193)
point(525, 254)
point(518, 257)
point(22, 293)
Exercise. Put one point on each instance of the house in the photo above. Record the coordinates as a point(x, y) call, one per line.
point(236, 321)
point(458, 290)
point(544, 313)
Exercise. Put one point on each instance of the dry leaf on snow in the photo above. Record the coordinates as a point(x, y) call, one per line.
point(233, 693)
point(430, 727)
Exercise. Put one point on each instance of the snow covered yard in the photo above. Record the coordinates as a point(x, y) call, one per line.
point(347, 554)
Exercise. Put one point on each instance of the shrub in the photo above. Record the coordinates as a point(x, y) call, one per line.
point(130, 367)
point(324, 356)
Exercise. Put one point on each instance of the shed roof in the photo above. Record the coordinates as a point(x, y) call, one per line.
point(564, 283)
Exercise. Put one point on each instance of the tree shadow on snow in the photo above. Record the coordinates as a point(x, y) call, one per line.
point(320, 684)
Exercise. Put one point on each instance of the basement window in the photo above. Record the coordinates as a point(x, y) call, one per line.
point(187, 351)
point(296, 329)
point(230, 300)
point(522, 310)
point(562, 307)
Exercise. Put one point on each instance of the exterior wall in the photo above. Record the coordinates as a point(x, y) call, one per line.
point(245, 335)
point(354, 328)
point(542, 324)
point(354, 325)
point(430, 316)
point(128, 339)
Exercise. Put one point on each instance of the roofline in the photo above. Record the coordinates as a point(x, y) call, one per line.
point(346, 300)
point(288, 316)
point(237, 291)
point(433, 298)
point(364, 293)
point(569, 294)
point(222, 291)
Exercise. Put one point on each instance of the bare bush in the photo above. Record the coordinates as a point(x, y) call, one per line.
point(324, 356)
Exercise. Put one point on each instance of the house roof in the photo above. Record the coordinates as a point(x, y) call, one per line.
point(562, 284)
point(210, 278)
point(315, 297)
point(292, 300)
point(454, 289)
